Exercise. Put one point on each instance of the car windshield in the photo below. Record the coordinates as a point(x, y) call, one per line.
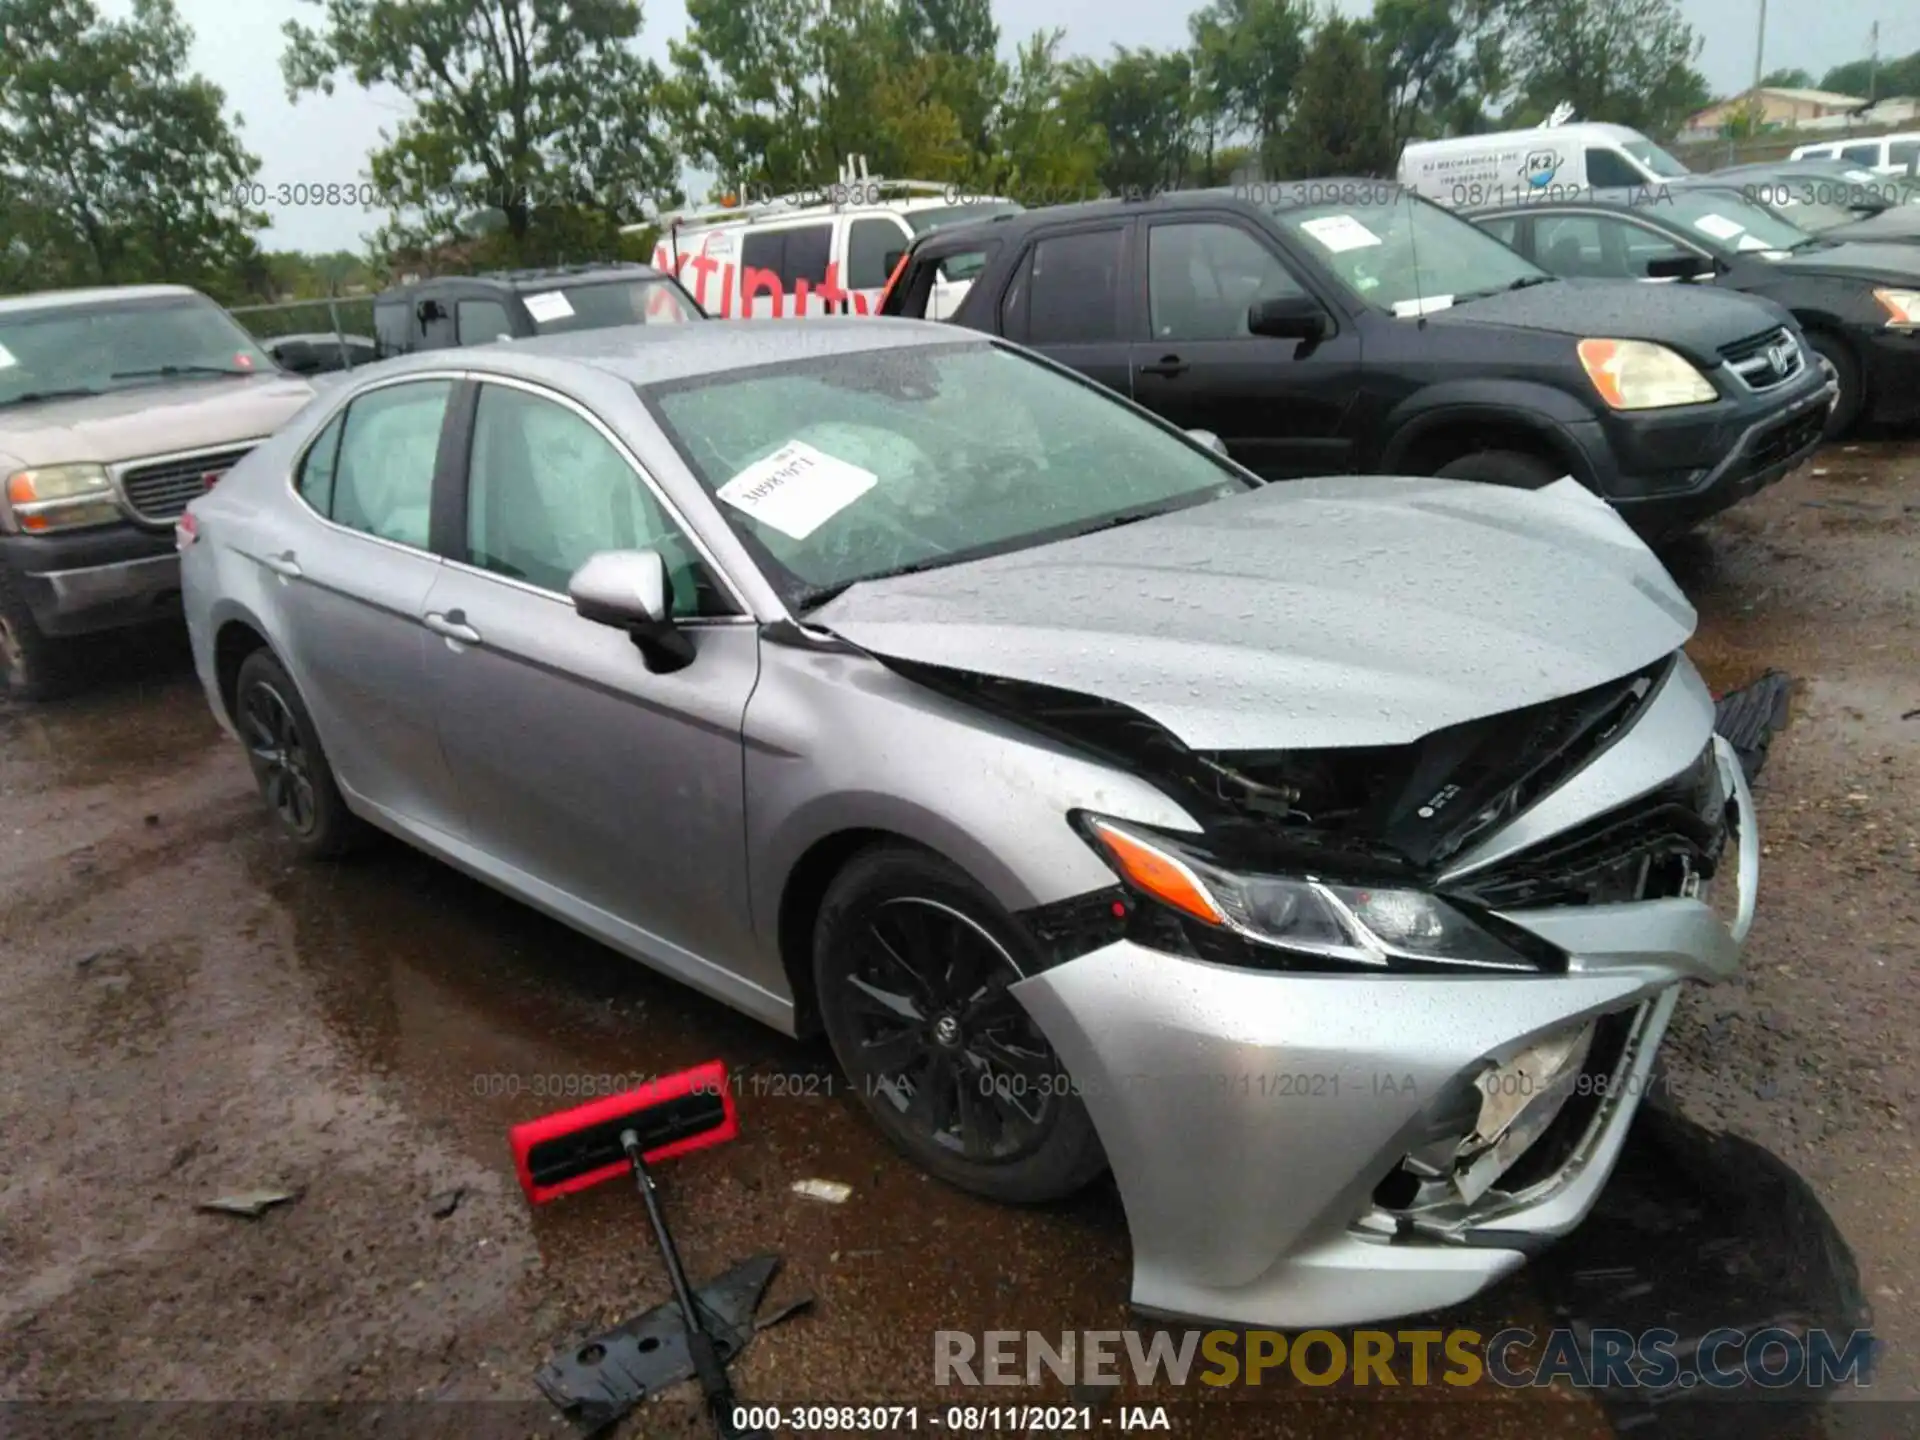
point(1810, 215)
point(89, 349)
point(848, 467)
point(604, 303)
point(1657, 161)
point(1405, 255)
point(1728, 221)
point(936, 216)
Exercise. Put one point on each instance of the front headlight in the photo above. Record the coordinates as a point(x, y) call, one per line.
point(1639, 375)
point(1902, 305)
point(61, 497)
point(1352, 924)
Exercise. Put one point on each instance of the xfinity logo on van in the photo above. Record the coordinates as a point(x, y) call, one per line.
point(1540, 168)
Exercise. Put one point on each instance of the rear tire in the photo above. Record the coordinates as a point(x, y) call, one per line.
point(289, 765)
point(1513, 468)
point(33, 665)
point(911, 963)
point(1846, 370)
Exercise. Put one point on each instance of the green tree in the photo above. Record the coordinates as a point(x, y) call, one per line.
point(1629, 61)
point(541, 110)
point(1340, 122)
point(117, 163)
point(1418, 47)
point(1142, 102)
point(1859, 77)
point(1794, 79)
point(1247, 56)
point(1043, 145)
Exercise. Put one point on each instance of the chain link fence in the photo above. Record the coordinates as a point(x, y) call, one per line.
point(335, 333)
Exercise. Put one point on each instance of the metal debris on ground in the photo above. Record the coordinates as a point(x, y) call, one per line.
point(251, 1204)
point(447, 1201)
point(834, 1192)
point(1749, 718)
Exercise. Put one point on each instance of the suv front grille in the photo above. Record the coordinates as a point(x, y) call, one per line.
point(1646, 849)
point(159, 491)
point(1766, 361)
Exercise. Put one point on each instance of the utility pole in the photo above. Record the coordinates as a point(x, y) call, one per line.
point(1755, 110)
point(1873, 65)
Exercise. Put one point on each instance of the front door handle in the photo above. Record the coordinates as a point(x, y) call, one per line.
point(284, 564)
point(454, 626)
point(1165, 365)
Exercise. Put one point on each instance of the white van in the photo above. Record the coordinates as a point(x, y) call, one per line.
point(1883, 154)
point(829, 252)
point(1558, 162)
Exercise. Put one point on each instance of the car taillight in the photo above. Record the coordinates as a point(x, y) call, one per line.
point(186, 530)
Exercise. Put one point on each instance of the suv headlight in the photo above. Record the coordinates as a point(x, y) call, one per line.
point(1353, 925)
point(61, 497)
point(1902, 305)
point(1640, 375)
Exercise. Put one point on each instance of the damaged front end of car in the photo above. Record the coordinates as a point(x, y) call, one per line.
point(1471, 944)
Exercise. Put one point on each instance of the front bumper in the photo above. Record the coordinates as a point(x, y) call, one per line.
point(94, 580)
point(1666, 473)
point(1250, 1117)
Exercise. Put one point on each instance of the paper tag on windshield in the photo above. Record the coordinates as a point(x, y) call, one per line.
point(1719, 226)
point(549, 306)
point(797, 489)
point(1425, 305)
point(1339, 232)
point(7, 362)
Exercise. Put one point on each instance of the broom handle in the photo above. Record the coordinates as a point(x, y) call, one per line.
point(706, 1360)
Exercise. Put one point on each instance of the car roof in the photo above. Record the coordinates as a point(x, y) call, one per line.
point(656, 354)
point(52, 299)
point(1256, 195)
point(1624, 197)
point(545, 278)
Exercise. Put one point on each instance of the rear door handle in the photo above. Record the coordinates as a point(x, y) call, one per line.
point(1165, 365)
point(454, 626)
point(284, 564)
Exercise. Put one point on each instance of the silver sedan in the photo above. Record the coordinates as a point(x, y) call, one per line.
point(1322, 858)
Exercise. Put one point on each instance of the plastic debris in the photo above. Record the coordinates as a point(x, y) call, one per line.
point(831, 1191)
point(251, 1204)
point(1750, 716)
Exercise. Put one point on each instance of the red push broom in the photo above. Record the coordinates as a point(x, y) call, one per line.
point(560, 1154)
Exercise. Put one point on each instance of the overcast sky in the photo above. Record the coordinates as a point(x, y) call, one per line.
point(237, 45)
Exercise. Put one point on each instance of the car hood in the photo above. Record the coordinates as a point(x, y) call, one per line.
point(1344, 611)
point(1898, 225)
point(1895, 263)
point(148, 420)
point(1695, 321)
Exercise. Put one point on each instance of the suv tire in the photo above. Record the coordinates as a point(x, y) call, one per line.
point(33, 666)
point(1513, 468)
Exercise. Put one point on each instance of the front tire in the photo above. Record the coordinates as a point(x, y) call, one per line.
point(1513, 468)
point(33, 665)
point(911, 963)
point(1846, 370)
point(289, 765)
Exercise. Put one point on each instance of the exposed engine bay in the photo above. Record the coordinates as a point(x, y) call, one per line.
point(1398, 806)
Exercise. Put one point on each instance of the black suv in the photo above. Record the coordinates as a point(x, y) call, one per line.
point(1352, 326)
point(450, 310)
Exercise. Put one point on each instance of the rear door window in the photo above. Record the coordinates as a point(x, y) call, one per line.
point(383, 479)
point(1904, 153)
point(1862, 154)
point(1075, 283)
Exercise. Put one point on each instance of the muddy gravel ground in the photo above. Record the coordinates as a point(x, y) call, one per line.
point(187, 1012)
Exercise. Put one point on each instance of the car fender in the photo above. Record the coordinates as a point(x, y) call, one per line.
point(1552, 415)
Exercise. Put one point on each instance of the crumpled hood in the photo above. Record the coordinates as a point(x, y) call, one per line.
point(144, 420)
point(1695, 320)
point(1343, 611)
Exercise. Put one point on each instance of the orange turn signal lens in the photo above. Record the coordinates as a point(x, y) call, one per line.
point(20, 488)
point(1164, 876)
point(1600, 360)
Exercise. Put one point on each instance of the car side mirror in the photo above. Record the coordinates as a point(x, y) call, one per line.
point(1680, 267)
point(1212, 441)
point(1287, 317)
point(631, 591)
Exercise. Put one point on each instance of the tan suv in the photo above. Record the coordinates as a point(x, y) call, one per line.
point(117, 407)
